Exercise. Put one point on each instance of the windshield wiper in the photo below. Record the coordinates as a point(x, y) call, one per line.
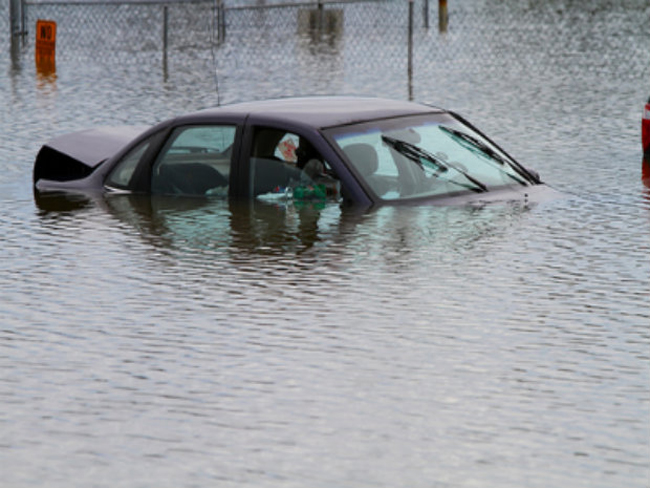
point(476, 145)
point(417, 154)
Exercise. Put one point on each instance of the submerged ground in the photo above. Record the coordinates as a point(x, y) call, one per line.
point(148, 343)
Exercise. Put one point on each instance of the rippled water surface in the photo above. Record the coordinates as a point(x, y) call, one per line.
point(157, 342)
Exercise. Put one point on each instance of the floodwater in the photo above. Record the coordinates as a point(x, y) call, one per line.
point(148, 342)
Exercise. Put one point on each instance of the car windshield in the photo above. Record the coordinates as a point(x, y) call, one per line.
point(424, 156)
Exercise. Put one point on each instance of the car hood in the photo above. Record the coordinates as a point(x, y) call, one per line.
point(531, 194)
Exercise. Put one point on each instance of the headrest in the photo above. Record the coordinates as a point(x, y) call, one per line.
point(363, 156)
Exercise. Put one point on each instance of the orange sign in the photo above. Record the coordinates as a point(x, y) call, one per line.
point(45, 47)
point(45, 37)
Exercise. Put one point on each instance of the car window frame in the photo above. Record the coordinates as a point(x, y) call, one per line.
point(139, 179)
point(330, 133)
point(351, 192)
point(169, 140)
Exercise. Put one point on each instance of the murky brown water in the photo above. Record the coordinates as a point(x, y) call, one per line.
point(156, 342)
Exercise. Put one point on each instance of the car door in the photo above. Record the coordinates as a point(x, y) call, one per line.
point(196, 160)
point(282, 160)
point(187, 159)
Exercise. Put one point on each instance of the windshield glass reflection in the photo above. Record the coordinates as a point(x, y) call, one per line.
point(426, 156)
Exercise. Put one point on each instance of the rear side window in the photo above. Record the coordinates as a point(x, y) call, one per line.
point(120, 177)
point(195, 161)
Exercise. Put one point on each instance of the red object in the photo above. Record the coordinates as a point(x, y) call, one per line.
point(645, 141)
point(645, 127)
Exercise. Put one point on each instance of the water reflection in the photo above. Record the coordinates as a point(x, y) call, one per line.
point(46, 74)
point(199, 223)
point(53, 205)
point(242, 228)
point(321, 28)
point(185, 342)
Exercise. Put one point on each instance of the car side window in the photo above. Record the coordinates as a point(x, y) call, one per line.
point(196, 160)
point(120, 177)
point(283, 162)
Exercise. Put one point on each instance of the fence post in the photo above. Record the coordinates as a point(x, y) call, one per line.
point(164, 39)
point(425, 13)
point(17, 31)
point(16, 18)
point(221, 22)
point(320, 21)
point(443, 16)
point(410, 51)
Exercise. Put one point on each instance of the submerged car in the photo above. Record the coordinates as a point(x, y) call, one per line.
point(363, 151)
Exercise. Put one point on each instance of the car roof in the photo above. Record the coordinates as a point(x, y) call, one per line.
point(321, 112)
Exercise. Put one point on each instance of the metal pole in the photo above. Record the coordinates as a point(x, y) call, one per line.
point(221, 21)
point(17, 31)
point(443, 17)
point(426, 14)
point(23, 30)
point(321, 20)
point(410, 51)
point(164, 40)
point(16, 21)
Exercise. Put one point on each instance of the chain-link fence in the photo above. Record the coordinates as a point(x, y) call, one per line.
point(314, 47)
point(125, 31)
point(326, 42)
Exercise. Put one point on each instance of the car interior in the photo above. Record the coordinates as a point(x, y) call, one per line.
point(196, 162)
